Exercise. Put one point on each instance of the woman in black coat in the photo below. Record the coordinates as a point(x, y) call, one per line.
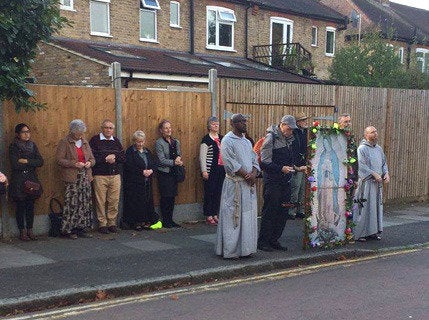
point(139, 210)
point(24, 159)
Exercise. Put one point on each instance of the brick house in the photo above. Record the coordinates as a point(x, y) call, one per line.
point(161, 43)
point(406, 27)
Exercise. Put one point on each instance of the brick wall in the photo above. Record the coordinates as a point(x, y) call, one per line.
point(125, 24)
point(59, 67)
point(260, 28)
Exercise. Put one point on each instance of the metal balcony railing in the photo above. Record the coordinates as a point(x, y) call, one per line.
point(286, 56)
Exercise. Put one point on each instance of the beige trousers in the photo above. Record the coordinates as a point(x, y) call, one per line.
point(107, 190)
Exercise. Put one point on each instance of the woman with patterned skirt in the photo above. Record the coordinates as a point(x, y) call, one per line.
point(75, 158)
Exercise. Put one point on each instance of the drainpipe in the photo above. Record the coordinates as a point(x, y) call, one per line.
point(191, 27)
point(246, 32)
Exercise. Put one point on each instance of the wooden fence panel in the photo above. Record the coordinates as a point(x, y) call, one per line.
point(64, 104)
point(188, 113)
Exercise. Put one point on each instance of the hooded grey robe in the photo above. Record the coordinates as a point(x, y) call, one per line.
point(368, 215)
point(237, 231)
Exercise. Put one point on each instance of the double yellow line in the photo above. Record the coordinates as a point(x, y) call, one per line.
point(216, 285)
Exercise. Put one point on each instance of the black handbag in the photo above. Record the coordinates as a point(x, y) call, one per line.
point(33, 189)
point(180, 173)
point(55, 217)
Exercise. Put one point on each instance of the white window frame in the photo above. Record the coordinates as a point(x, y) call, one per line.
point(64, 7)
point(423, 59)
point(178, 14)
point(148, 6)
point(96, 33)
point(155, 40)
point(314, 44)
point(401, 54)
point(231, 21)
point(333, 30)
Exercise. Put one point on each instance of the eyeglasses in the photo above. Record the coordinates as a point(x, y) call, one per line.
point(111, 128)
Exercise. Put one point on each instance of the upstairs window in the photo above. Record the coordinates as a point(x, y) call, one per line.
point(330, 41)
point(174, 14)
point(100, 17)
point(314, 36)
point(423, 59)
point(220, 28)
point(66, 4)
point(401, 54)
point(151, 4)
point(148, 20)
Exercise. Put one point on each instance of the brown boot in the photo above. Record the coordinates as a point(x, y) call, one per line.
point(31, 235)
point(23, 235)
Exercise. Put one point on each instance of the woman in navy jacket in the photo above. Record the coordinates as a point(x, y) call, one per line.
point(139, 210)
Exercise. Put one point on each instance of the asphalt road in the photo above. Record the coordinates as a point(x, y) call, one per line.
point(391, 286)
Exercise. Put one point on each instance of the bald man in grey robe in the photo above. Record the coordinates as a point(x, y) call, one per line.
point(237, 231)
point(373, 172)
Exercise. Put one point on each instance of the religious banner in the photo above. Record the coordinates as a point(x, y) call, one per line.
point(328, 221)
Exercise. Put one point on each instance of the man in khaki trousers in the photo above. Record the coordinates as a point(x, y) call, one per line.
point(108, 153)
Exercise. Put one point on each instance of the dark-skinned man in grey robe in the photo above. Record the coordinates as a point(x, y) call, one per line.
point(373, 172)
point(237, 231)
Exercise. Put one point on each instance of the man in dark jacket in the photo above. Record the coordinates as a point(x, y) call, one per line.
point(298, 178)
point(279, 159)
point(108, 154)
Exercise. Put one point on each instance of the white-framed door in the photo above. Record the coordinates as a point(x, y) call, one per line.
point(281, 31)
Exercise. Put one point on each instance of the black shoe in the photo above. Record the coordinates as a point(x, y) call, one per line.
point(113, 229)
point(175, 225)
point(167, 225)
point(265, 247)
point(300, 215)
point(103, 230)
point(278, 246)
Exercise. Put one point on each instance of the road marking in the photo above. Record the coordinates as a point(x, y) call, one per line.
point(216, 285)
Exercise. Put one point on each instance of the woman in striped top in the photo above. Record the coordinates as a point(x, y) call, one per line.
point(212, 170)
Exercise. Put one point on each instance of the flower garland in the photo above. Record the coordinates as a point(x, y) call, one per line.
point(349, 185)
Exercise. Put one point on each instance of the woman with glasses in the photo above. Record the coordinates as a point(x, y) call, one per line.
point(24, 159)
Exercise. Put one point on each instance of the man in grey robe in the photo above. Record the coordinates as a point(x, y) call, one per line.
point(368, 214)
point(237, 229)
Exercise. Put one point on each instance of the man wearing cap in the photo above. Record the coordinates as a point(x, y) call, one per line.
point(237, 228)
point(279, 159)
point(298, 178)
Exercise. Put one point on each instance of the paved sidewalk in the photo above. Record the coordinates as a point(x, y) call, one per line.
point(50, 271)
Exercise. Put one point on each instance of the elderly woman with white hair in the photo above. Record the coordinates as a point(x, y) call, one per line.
point(139, 210)
point(75, 158)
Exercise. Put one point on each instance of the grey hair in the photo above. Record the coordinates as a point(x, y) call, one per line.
point(210, 120)
point(107, 121)
point(139, 134)
point(77, 125)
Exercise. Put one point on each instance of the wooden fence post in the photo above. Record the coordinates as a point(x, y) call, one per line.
point(117, 84)
point(213, 90)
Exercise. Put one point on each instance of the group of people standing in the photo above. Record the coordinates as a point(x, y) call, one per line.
point(98, 161)
point(283, 161)
point(229, 168)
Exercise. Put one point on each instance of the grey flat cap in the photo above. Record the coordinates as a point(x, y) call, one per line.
point(290, 121)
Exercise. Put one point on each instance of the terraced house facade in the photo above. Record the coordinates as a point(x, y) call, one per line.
point(161, 43)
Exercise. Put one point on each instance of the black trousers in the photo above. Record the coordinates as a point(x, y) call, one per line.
point(25, 214)
point(167, 207)
point(274, 216)
point(213, 191)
